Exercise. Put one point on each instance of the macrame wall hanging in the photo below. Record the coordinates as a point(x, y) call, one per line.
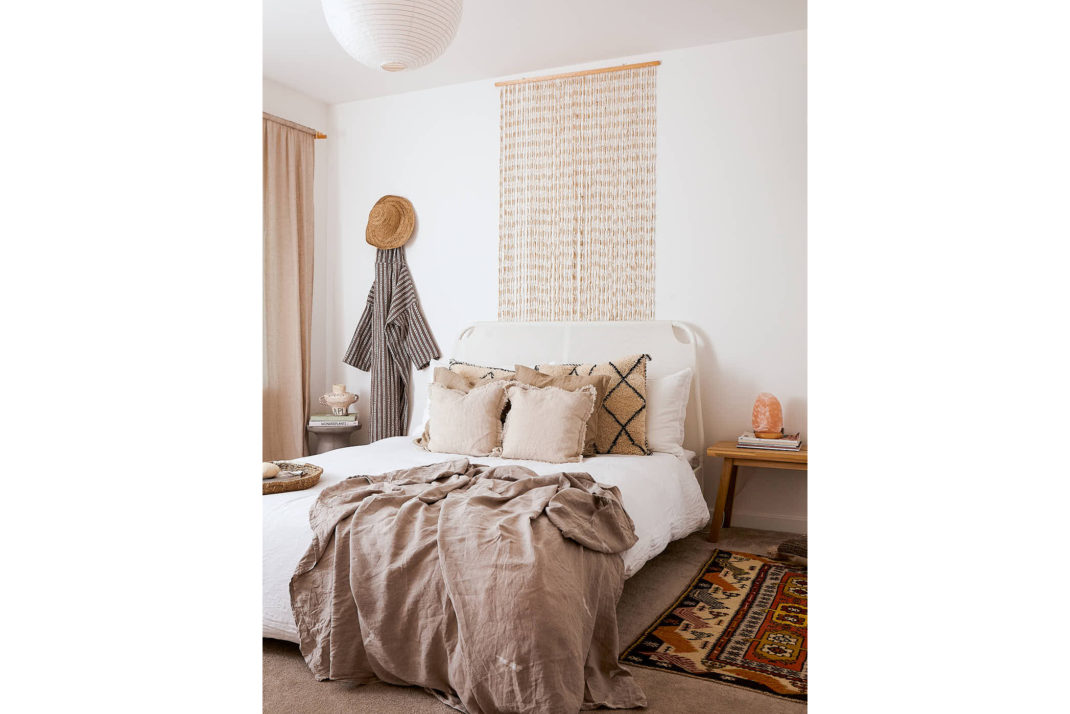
point(576, 219)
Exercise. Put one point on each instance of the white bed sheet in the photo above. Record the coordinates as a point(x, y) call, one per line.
point(659, 492)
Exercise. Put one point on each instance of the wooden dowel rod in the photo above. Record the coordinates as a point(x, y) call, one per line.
point(582, 73)
point(295, 125)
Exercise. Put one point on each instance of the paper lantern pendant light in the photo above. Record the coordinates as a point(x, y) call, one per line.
point(393, 35)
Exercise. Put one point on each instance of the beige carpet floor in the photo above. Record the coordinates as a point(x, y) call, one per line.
point(290, 687)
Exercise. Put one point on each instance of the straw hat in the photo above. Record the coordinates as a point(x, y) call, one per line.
point(390, 222)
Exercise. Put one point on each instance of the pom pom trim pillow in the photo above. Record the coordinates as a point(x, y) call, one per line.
point(477, 374)
point(466, 423)
point(622, 424)
point(547, 424)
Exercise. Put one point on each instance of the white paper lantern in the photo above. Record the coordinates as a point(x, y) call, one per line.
point(393, 35)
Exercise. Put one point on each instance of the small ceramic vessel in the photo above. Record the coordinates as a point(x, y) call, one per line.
point(338, 400)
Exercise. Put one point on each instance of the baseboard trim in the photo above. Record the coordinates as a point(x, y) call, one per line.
point(769, 521)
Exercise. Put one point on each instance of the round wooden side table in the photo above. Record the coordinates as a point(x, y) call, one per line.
point(329, 438)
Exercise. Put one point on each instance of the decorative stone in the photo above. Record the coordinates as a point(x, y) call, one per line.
point(767, 419)
point(338, 400)
point(270, 470)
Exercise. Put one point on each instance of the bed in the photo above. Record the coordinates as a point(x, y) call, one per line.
point(661, 492)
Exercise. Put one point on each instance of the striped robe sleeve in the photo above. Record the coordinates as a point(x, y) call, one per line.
point(420, 345)
point(359, 354)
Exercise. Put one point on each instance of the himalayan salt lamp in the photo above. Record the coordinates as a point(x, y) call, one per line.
point(766, 418)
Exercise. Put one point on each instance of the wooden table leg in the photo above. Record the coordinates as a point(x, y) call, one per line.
point(731, 496)
point(722, 498)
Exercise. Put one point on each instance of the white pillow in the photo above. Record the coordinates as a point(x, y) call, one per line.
point(666, 408)
point(417, 428)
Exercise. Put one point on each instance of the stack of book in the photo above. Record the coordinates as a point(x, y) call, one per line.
point(788, 442)
point(332, 420)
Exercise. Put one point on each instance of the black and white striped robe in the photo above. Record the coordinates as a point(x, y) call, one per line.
point(391, 333)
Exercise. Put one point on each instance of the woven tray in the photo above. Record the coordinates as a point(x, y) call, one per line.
point(309, 478)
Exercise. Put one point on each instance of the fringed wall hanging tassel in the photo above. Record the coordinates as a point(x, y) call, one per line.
point(576, 214)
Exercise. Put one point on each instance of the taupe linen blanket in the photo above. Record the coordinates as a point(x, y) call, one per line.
point(495, 588)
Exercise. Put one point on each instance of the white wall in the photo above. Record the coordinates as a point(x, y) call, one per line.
point(731, 228)
point(282, 101)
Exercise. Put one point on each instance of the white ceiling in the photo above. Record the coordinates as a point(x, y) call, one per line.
point(509, 37)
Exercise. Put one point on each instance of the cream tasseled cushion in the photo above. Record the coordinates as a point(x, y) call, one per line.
point(466, 423)
point(547, 424)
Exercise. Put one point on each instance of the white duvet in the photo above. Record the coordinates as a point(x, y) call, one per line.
point(659, 491)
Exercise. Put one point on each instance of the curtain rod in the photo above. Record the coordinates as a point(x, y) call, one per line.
point(295, 125)
point(582, 73)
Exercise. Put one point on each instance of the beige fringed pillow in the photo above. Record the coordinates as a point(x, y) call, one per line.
point(450, 380)
point(547, 424)
point(622, 424)
point(466, 423)
point(526, 375)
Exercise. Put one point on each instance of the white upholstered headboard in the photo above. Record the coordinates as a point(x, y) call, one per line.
point(671, 346)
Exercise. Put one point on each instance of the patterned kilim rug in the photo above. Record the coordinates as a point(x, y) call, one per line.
point(741, 621)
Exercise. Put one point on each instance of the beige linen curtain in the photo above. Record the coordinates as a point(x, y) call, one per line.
point(288, 213)
point(576, 222)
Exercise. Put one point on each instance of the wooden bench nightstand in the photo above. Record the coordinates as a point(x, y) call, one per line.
point(734, 457)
